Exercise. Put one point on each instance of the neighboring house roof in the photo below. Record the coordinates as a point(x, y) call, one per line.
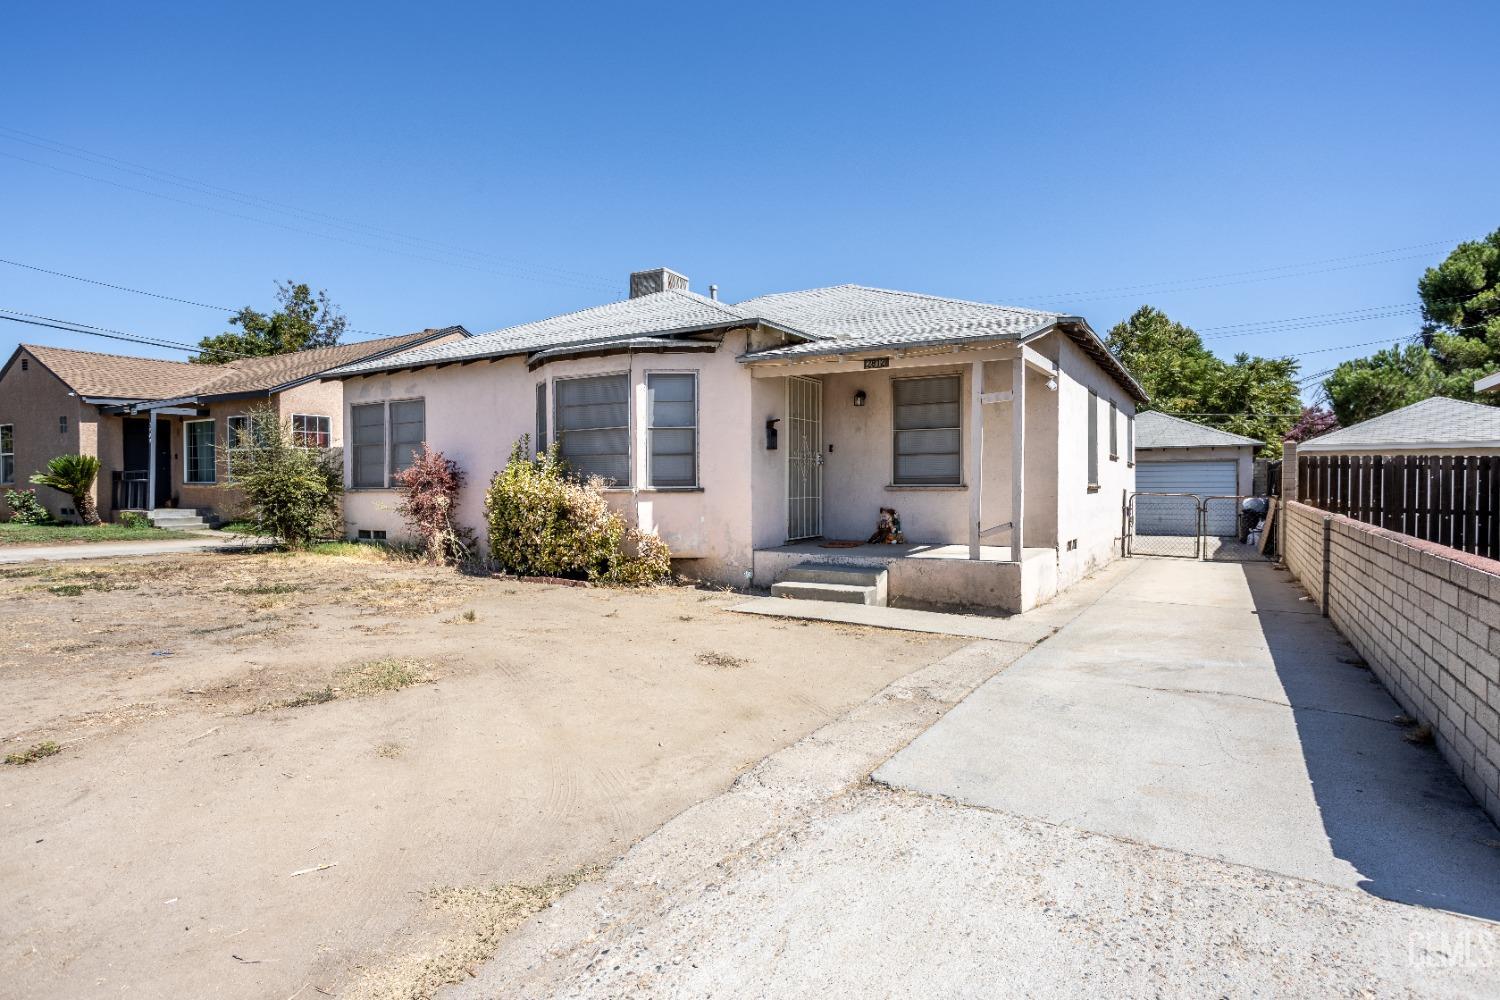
point(655, 314)
point(822, 320)
point(1161, 430)
point(1433, 423)
point(255, 375)
point(1490, 383)
point(119, 376)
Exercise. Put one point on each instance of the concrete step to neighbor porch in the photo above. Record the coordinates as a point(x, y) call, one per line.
point(833, 582)
point(180, 519)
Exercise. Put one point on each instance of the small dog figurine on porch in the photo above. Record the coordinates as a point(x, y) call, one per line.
point(888, 529)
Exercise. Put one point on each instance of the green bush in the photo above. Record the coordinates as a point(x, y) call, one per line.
point(25, 508)
point(544, 521)
point(134, 519)
point(291, 492)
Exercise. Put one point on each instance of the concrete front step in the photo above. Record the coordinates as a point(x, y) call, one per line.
point(179, 519)
point(843, 593)
point(846, 583)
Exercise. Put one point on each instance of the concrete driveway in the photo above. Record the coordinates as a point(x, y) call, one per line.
point(1208, 708)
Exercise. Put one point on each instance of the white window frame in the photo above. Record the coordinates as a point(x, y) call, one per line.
point(230, 442)
point(1130, 440)
point(328, 422)
point(187, 453)
point(958, 480)
point(542, 410)
point(1114, 432)
point(8, 454)
point(557, 431)
point(697, 482)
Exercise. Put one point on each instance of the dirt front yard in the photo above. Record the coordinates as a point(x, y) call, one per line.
point(254, 775)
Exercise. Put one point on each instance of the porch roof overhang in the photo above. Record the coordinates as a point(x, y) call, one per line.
point(184, 406)
point(1075, 327)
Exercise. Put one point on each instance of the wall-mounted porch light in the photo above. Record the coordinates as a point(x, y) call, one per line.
point(859, 397)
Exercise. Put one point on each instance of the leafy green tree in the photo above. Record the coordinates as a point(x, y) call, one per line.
point(291, 492)
point(1253, 396)
point(1459, 343)
point(73, 475)
point(305, 320)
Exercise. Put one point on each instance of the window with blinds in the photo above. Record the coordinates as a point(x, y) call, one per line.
point(408, 429)
point(925, 415)
point(367, 435)
point(673, 459)
point(593, 425)
point(541, 420)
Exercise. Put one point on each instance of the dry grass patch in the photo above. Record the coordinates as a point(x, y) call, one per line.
point(721, 660)
point(382, 675)
point(480, 916)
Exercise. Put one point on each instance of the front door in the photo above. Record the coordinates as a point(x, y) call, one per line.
point(163, 463)
point(804, 459)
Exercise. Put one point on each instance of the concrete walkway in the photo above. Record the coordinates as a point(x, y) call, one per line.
point(1014, 848)
point(177, 543)
point(1208, 708)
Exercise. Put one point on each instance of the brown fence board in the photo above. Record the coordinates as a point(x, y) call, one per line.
point(1453, 500)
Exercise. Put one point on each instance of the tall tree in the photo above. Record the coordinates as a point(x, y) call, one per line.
point(1459, 342)
point(304, 321)
point(1253, 396)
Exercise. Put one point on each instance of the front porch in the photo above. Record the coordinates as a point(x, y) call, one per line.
point(931, 575)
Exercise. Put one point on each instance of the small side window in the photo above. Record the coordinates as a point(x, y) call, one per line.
point(62, 425)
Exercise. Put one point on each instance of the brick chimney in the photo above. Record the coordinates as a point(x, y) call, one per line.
point(659, 279)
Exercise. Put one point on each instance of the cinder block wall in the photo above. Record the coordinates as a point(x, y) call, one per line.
point(1426, 618)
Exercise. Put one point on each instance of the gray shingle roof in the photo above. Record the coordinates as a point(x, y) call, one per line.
point(1160, 430)
point(1433, 423)
point(655, 314)
point(821, 320)
point(854, 316)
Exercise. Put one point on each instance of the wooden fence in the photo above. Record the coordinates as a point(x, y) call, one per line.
point(1453, 500)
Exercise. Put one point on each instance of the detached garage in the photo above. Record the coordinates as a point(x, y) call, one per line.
point(1178, 456)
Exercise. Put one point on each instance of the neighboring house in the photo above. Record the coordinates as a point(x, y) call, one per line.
point(736, 431)
point(56, 401)
point(1490, 383)
point(1436, 426)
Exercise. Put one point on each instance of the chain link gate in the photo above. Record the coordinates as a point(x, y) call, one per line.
point(1186, 526)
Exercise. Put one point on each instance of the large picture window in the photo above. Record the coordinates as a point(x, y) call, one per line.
point(925, 418)
point(311, 431)
point(593, 425)
point(408, 431)
point(199, 451)
point(7, 453)
point(673, 457)
point(367, 434)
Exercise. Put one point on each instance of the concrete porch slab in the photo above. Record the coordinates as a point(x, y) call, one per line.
point(1016, 629)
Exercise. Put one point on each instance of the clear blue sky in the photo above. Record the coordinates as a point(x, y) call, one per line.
point(1000, 152)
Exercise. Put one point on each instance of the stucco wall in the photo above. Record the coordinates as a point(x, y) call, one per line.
point(1243, 456)
point(32, 401)
point(321, 399)
point(1089, 517)
point(475, 413)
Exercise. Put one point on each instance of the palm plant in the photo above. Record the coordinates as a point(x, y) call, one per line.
point(73, 475)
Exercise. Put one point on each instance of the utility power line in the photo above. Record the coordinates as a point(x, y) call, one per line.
point(33, 319)
point(159, 176)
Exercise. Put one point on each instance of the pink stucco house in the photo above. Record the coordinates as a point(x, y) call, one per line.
point(751, 435)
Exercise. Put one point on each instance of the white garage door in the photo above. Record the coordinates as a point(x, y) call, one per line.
point(1169, 515)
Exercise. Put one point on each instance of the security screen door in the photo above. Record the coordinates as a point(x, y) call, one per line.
point(804, 458)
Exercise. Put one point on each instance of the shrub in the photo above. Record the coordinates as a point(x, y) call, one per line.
point(429, 492)
point(25, 508)
point(291, 492)
point(73, 475)
point(543, 521)
point(134, 519)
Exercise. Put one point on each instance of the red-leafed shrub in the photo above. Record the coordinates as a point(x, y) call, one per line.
point(429, 490)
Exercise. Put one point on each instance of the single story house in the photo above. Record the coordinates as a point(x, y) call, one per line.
point(160, 429)
point(750, 435)
point(1435, 426)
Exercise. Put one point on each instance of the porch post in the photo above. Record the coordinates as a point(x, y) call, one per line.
point(1018, 456)
point(151, 459)
point(976, 454)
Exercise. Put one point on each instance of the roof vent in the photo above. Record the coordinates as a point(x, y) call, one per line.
point(659, 279)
